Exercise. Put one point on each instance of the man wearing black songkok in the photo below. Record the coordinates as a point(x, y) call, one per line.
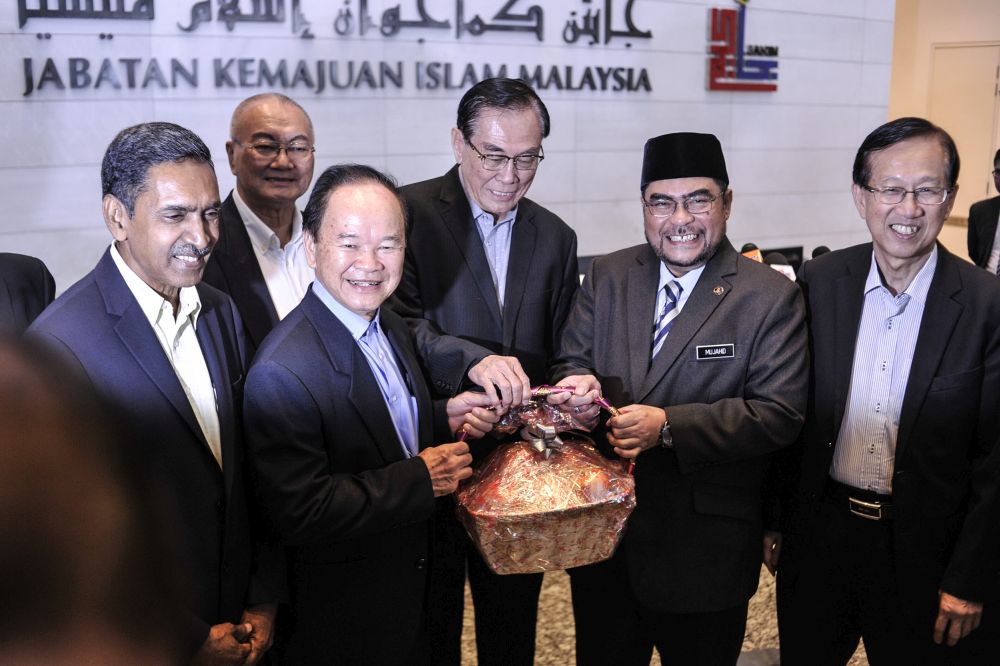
point(705, 352)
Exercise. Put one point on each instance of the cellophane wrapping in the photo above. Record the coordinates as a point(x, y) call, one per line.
point(529, 511)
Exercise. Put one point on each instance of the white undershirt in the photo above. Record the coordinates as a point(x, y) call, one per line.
point(286, 271)
point(179, 341)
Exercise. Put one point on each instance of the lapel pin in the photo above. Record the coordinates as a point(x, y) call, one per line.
point(718, 291)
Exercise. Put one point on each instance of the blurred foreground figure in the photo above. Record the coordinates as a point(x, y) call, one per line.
point(86, 575)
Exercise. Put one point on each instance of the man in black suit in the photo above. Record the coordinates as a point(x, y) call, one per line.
point(26, 288)
point(984, 250)
point(704, 351)
point(338, 419)
point(260, 257)
point(148, 336)
point(893, 534)
point(497, 271)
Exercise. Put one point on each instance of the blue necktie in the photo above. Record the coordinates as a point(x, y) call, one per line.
point(667, 315)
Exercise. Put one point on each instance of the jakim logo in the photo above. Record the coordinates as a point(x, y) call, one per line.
point(733, 64)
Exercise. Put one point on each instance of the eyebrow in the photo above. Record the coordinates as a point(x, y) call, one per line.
point(660, 196)
point(270, 137)
point(493, 148)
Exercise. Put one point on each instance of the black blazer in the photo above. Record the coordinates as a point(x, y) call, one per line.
point(693, 542)
point(982, 229)
point(26, 288)
point(233, 269)
point(337, 488)
point(946, 479)
point(447, 287)
point(99, 325)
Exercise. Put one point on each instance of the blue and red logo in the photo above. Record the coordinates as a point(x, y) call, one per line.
point(733, 64)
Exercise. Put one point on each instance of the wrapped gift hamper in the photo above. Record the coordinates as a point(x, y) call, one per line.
point(550, 501)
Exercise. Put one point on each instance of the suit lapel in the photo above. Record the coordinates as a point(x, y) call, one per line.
point(850, 298)
point(209, 333)
point(457, 217)
point(364, 393)
point(712, 288)
point(643, 276)
point(138, 337)
point(522, 248)
point(243, 275)
point(941, 314)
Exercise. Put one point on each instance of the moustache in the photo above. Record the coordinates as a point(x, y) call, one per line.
point(190, 250)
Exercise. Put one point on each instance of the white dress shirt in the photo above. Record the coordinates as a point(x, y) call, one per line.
point(994, 261)
point(286, 271)
point(179, 340)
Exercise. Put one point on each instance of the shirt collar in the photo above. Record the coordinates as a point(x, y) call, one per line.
point(919, 285)
point(478, 212)
point(355, 323)
point(687, 281)
point(261, 235)
point(150, 302)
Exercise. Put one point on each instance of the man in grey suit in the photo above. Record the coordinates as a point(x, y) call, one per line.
point(984, 250)
point(705, 353)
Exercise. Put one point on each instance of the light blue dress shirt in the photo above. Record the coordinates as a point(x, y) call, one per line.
point(865, 455)
point(381, 359)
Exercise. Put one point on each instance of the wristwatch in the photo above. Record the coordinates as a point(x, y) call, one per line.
point(666, 438)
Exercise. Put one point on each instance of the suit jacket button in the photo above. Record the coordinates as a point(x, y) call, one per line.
point(421, 563)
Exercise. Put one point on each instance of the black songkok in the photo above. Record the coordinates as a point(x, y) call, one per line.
point(683, 155)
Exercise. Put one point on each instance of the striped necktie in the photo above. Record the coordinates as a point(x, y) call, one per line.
point(667, 315)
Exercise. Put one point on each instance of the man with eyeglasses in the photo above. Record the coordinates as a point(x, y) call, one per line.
point(891, 534)
point(704, 351)
point(260, 258)
point(984, 242)
point(497, 271)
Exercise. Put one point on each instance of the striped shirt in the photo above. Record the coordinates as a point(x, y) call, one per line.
point(883, 353)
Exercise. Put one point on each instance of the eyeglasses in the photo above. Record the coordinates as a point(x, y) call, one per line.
point(525, 162)
point(927, 196)
point(699, 203)
point(296, 151)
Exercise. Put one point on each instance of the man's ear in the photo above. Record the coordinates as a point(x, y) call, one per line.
point(457, 144)
point(860, 200)
point(116, 218)
point(309, 242)
point(230, 153)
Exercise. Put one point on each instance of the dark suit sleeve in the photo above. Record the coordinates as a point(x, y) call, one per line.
point(446, 358)
point(972, 568)
point(770, 413)
point(304, 499)
point(569, 286)
point(576, 342)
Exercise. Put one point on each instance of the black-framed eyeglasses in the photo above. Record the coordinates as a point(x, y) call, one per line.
point(296, 150)
point(493, 162)
point(695, 204)
point(927, 196)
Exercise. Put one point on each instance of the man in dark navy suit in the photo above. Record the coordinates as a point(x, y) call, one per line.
point(497, 271)
point(338, 420)
point(147, 335)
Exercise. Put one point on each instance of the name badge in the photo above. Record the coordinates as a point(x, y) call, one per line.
point(712, 352)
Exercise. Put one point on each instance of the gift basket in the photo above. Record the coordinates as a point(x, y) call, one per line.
point(550, 501)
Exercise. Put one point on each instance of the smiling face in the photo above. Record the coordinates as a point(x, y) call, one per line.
point(359, 246)
point(168, 238)
point(270, 183)
point(684, 241)
point(498, 132)
point(904, 234)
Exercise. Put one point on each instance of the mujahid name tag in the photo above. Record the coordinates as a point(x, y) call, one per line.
point(712, 352)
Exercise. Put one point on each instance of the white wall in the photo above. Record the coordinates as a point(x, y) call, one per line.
point(789, 152)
